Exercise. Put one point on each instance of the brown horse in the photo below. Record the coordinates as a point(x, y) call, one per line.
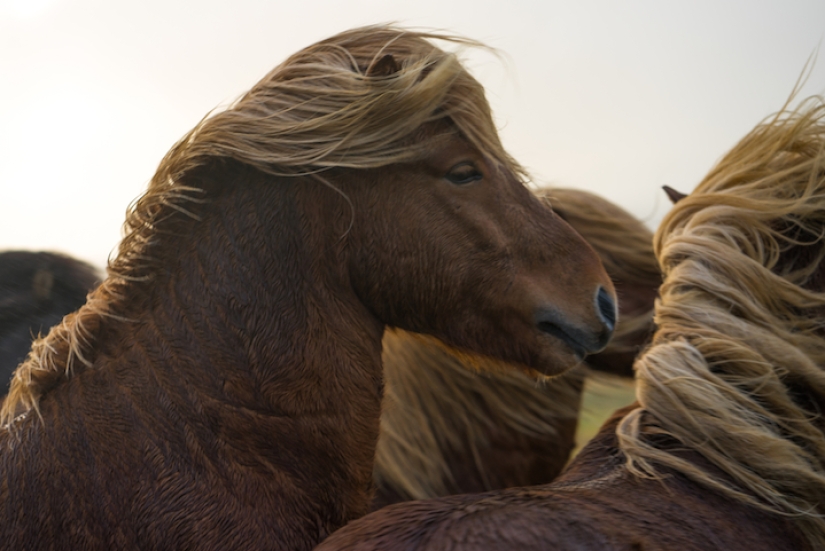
point(221, 389)
point(448, 427)
point(726, 447)
point(36, 290)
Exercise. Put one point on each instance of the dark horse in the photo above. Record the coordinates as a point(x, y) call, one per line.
point(36, 290)
point(726, 447)
point(455, 423)
point(221, 388)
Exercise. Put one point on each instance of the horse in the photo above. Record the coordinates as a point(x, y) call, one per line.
point(725, 448)
point(221, 388)
point(453, 423)
point(36, 290)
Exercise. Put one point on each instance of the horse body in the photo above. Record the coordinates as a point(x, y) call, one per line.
point(595, 505)
point(726, 447)
point(222, 387)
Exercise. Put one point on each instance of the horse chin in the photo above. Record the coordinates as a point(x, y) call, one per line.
point(555, 359)
point(532, 350)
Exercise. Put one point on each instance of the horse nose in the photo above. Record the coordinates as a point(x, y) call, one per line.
point(606, 307)
point(582, 339)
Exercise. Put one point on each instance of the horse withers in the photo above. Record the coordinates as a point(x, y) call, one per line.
point(221, 388)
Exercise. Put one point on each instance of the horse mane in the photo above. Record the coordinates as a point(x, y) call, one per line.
point(428, 383)
point(341, 102)
point(735, 368)
point(423, 374)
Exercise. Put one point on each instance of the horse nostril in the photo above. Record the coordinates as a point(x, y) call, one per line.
point(606, 307)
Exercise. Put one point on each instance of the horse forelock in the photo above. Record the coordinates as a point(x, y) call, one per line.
point(736, 367)
point(318, 110)
point(321, 108)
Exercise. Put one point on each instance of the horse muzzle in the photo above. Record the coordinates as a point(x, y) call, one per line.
point(581, 337)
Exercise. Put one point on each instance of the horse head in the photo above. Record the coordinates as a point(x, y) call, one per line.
point(441, 234)
point(481, 263)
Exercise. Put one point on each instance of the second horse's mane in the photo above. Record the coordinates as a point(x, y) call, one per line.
point(735, 368)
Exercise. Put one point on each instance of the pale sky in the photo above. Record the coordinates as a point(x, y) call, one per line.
point(616, 97)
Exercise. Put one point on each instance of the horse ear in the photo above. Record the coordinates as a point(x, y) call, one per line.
point(675, 196)
point(384, 67)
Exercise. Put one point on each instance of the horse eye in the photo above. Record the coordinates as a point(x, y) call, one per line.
point(464, 174)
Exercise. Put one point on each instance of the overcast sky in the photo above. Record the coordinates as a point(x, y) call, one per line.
point(617, 97)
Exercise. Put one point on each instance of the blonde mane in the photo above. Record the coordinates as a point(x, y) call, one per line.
point(333, 104)
point(437, 398)
point(735, 371)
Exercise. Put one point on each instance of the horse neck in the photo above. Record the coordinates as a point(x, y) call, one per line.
point(253, 313)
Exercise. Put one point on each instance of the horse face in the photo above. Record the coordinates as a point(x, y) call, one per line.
point(461, 249)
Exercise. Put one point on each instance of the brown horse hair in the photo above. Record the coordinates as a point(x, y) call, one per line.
point(625, 246)
point(426, 379)
point(323, 107)
point(624, 243)
point(735, 370)
point(437, 398)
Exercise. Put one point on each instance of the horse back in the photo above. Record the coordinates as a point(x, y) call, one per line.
point(595, 505)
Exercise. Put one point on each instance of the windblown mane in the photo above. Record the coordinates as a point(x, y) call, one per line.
point(437, 398)
point(339, 103)
point(735, 371)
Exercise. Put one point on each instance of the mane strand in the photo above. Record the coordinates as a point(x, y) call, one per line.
point(735, 371)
